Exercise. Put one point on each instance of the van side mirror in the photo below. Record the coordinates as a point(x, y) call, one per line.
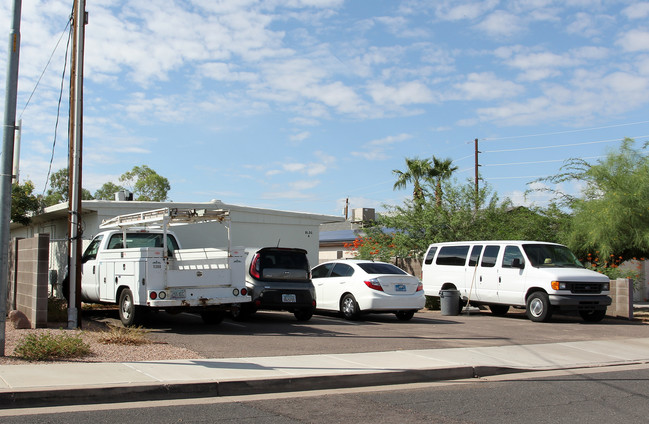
point(516, 263)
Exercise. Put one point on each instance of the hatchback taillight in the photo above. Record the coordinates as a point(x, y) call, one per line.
point(374, 284)
point(254, 267)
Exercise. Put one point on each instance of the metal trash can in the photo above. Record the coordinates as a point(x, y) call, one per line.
point(450, 302)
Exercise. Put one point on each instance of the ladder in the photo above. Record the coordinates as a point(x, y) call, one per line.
point(165, 216)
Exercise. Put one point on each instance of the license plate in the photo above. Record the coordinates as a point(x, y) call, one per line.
point(178, 293)
point(289, 298)
point(400, 287)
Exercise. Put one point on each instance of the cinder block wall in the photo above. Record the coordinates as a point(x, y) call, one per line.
point(622, 296)
point(31, 279)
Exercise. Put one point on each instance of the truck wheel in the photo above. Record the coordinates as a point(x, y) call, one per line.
point(303, 314)
point(404, 315)
point(212, 317)
point(593, 316)
point(128, 311)
point(349, 308)
point(538, 307)
point(499, 310)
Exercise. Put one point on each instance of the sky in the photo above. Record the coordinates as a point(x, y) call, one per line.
point(299, 105)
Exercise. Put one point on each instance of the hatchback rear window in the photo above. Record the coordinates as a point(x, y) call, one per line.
point(374, 268)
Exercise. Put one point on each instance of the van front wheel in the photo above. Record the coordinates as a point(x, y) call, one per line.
point(538, 308)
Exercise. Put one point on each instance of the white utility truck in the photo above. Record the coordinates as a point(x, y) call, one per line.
point(138, 264)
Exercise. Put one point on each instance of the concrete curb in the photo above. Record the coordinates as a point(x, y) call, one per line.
point(147, 392)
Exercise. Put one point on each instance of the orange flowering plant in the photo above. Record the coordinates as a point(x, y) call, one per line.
point(378, 247)
point(611, 267)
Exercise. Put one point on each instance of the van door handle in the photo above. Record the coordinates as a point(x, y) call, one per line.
point(93, 269)
point(481, 278)
point(500, 280)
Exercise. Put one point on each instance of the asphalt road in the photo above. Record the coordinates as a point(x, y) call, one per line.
point(279, 333)
point(612, 395)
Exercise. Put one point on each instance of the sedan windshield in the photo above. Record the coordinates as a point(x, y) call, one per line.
point(380, 268)
point(548, 255)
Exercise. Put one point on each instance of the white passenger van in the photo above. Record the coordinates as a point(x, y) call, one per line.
point(538, 276)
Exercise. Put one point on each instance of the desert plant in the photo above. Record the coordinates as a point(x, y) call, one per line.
point(47, 346)
point(124, 336)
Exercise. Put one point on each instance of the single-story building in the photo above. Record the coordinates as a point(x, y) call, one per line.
point(249, 227)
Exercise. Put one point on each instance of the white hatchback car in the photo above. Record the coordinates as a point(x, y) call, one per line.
point(354, 287)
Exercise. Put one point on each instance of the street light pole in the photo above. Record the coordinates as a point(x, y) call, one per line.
point(11, 95)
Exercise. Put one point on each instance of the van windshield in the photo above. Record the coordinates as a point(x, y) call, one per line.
point(551, 256)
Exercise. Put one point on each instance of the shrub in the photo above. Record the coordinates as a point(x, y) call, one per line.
point(47, 346)
point(124, 336)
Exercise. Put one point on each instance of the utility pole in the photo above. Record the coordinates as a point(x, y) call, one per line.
point(11, 95)
point(74, 176)
point(477, 174)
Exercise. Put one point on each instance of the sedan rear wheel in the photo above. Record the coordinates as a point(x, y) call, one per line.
point(349, 308)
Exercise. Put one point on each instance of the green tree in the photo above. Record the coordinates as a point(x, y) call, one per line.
point(417, 171)
point(413, 228)
point(146, 184)
point(442, 170)
point(107, 191)
point(23, 202)
point(610, 217)
point(59, 189)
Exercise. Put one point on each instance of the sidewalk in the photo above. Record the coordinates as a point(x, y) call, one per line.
point(82, 383)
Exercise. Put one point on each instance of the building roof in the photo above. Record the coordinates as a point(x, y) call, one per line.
point(60, 211)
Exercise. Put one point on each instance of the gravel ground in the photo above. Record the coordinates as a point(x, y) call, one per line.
point(100, 352)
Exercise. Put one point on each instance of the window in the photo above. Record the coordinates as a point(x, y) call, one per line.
point(342, 270)
point(375, 268)
point(430, 255)
point(511, 253)
point(452, 255)
point(475, 255)
point(490, 256)
point(551, 255)
point(321, 271)
point(136, 240)
point(91, 250)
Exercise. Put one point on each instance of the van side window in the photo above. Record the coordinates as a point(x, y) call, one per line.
point(430, 255)
point(475, 255)
point(511, 253)
point(452, 255)
point(489, 257)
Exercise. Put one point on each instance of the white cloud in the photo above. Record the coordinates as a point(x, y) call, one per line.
point(637, 11)
point(485, 86)
point(450, 10)
point(634, 40)
point(501, 24)
point(403, 94)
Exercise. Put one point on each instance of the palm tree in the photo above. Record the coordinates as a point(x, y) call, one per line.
point(440, 171)
point(417, 170)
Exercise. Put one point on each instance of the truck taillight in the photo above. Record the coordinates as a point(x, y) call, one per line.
point(244, 292)
point(153, 295)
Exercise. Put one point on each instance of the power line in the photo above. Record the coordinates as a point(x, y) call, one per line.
point(539, 161)
point(559, 145)
point(564, 132)
point(58, 111)
point(46, 66)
